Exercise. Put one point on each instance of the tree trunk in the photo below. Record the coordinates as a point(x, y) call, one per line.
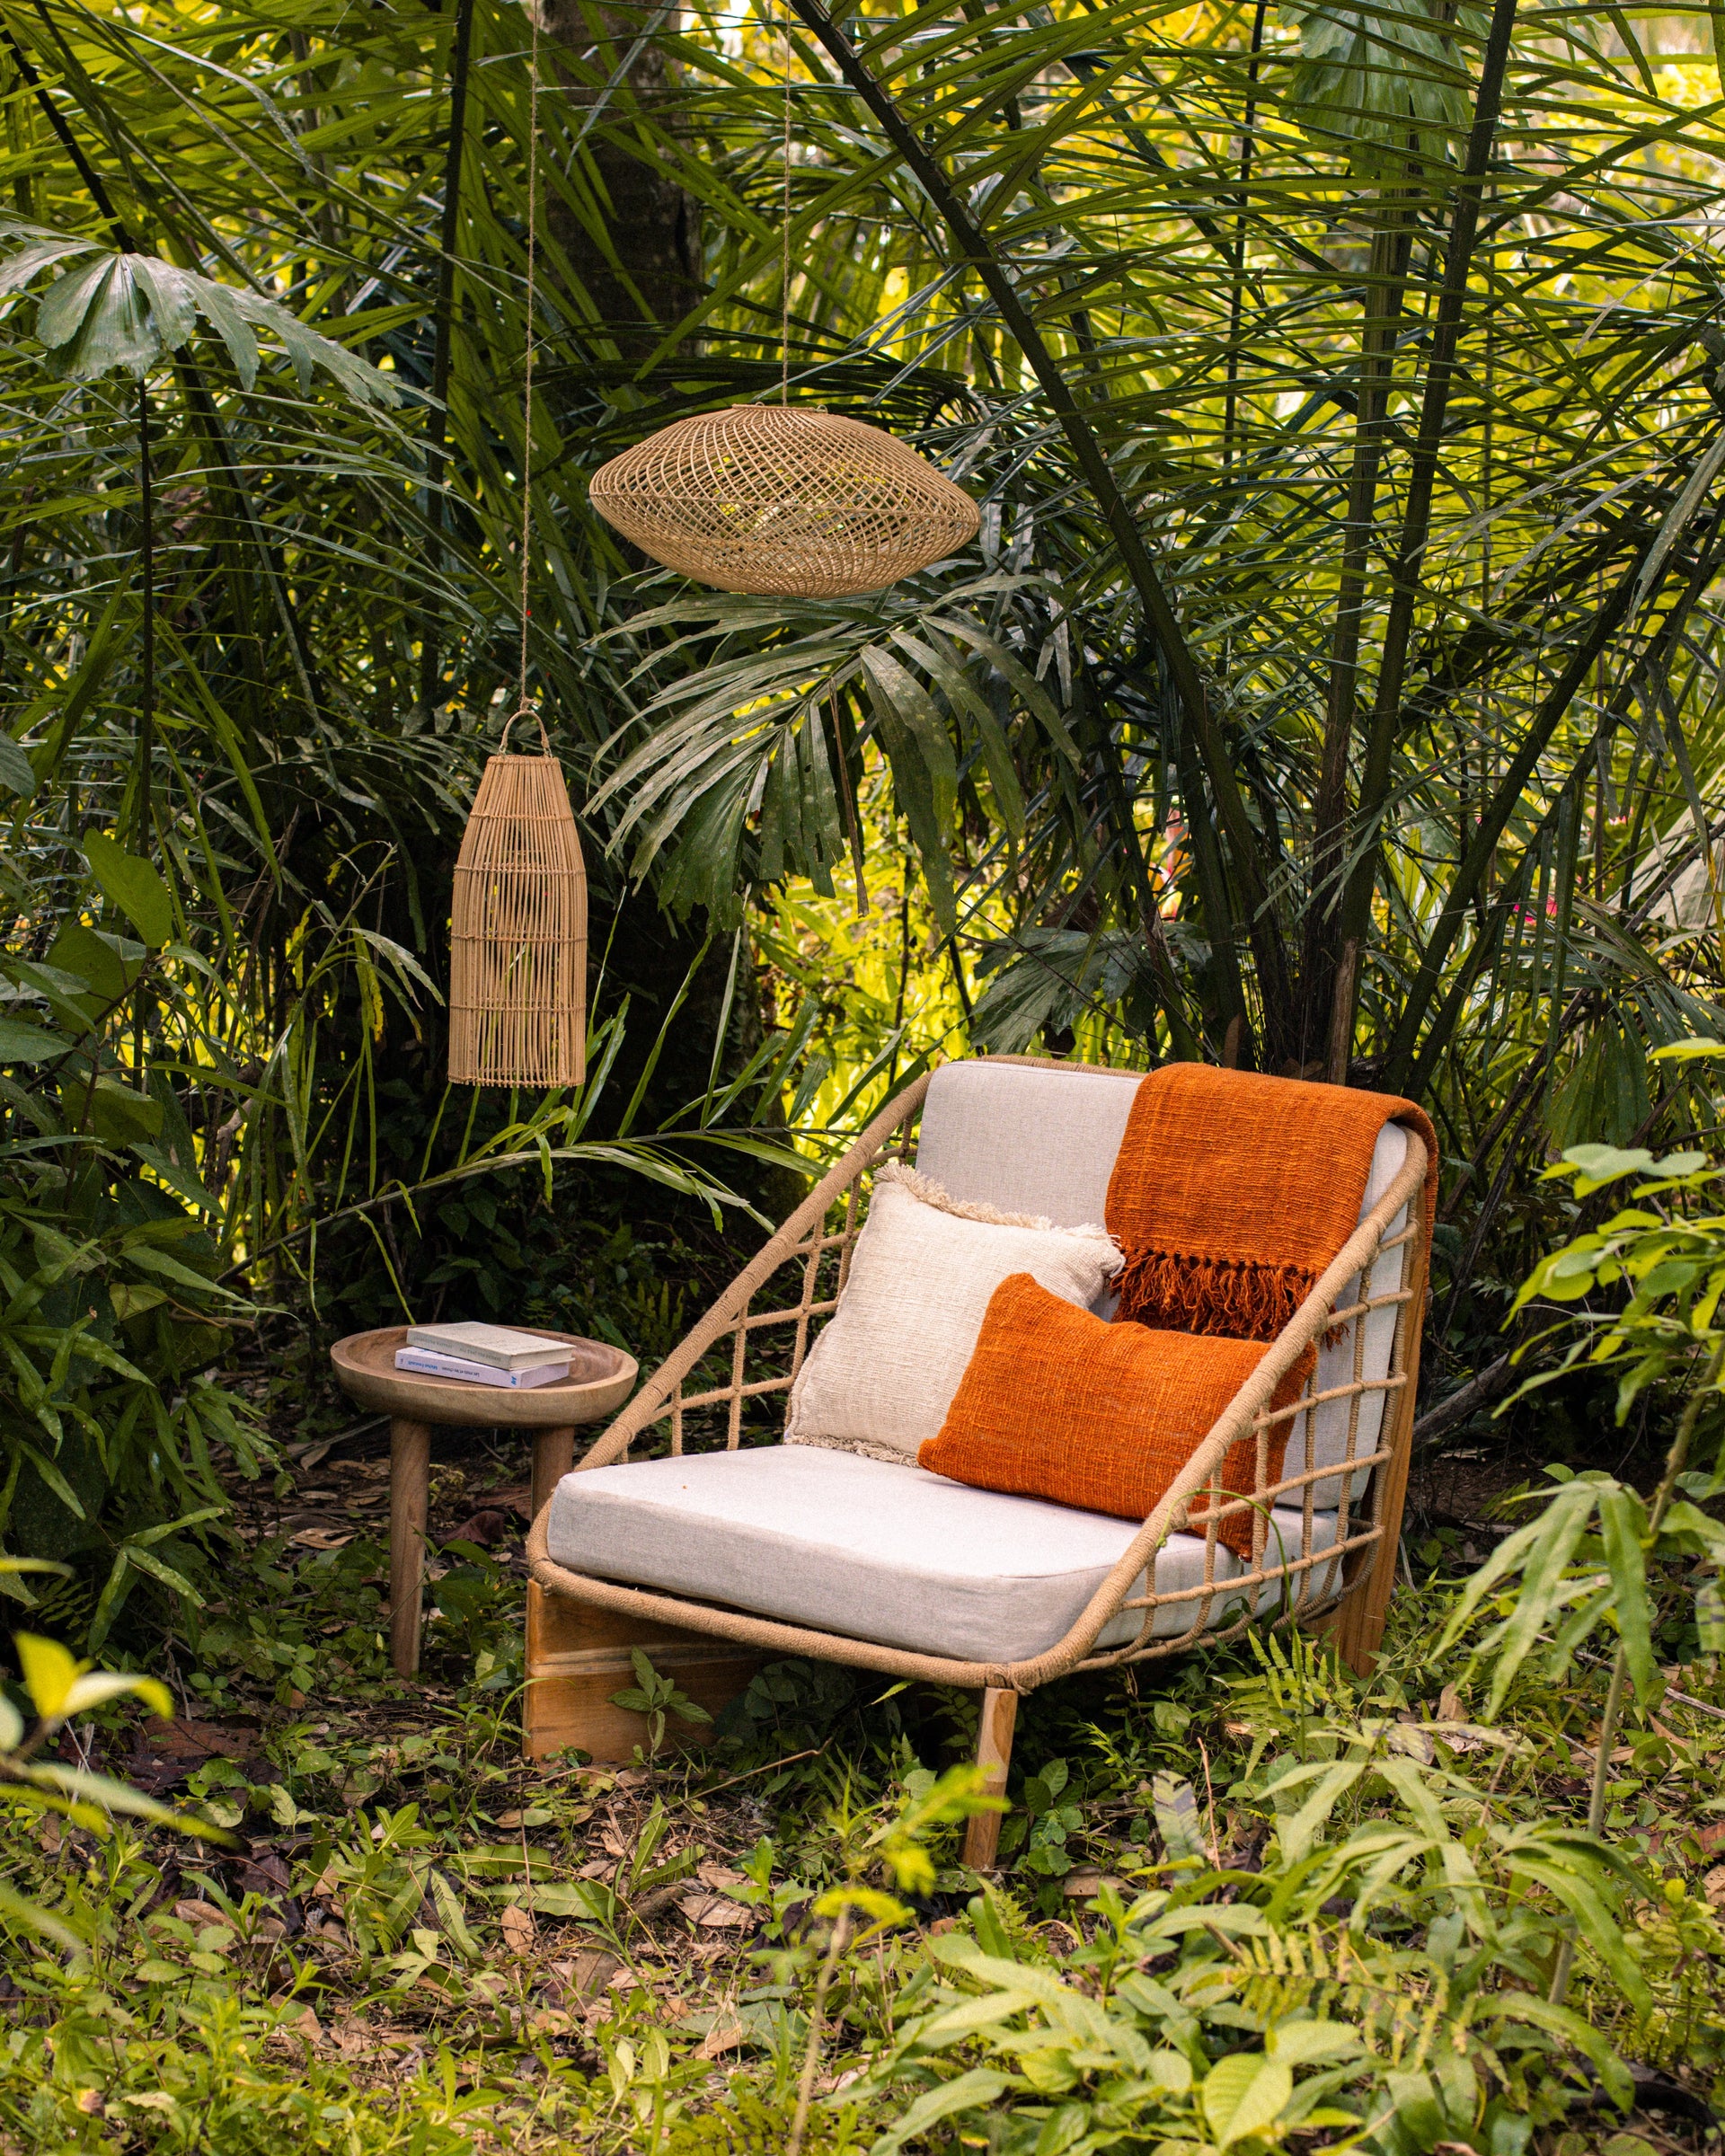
point(636, 249)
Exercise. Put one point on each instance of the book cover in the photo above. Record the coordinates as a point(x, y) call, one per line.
point(496, 1344)
point(430, 1365)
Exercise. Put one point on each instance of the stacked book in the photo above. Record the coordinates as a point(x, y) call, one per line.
point(483, 1355)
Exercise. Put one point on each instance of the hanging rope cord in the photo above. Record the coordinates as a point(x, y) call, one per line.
point(524, 704)
point(785, 235)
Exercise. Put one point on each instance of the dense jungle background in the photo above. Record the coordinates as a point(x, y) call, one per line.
point(1332, 690)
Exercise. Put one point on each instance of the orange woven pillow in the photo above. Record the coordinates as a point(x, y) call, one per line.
point(1056, 1404)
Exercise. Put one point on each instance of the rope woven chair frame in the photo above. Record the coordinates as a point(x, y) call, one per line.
point(783, 500)
point(706, 1388)
point(518, 956)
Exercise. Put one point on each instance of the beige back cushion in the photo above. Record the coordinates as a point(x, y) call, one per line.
point(882, 1375)
point(1028, 1141)
point(1044, 1141)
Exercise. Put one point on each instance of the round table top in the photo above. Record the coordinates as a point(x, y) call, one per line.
point(600, 1379)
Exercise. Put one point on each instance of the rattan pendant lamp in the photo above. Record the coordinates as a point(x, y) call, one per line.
point(518, 956)
point(788, 501)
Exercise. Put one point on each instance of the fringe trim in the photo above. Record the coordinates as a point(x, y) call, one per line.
point(1236, 1298)
point(928, 1192)
point(888, 1455)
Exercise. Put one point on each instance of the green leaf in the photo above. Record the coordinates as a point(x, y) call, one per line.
point(1710, 1617)
point(1311, 2043)
point(1244, 2094)
point(109, 964)
point(1178, 1819)
point(972, 2091)
point(118, 1116)
point(1603, 1165)
point(134, 886)
point(23, 1043)
point(126, 311)
point(16, 770)
point(178, 1179)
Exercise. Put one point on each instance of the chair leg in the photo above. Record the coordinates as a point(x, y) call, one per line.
point(410, 1488)
point(994, 1755)
point(1359, 1622)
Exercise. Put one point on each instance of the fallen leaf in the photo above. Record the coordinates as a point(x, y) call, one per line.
point(321, 1538)
point(720, 1878)
point(725, 2035)
point(589, 1973)
point(1080, 1886)
point(715, 1912)
point(517, 1929)
point(485, 1529)
point(1461, 1740)
point(202, 1913)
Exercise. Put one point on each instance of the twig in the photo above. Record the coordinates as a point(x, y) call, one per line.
point(314, 1449)
point(1480, 1391)
point(812, 1754)
point(811, 2057)
point(1686, 1699)
point(1209, 1799)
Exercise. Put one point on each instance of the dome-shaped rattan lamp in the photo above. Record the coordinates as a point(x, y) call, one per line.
point(517, 960)
point(785, 501)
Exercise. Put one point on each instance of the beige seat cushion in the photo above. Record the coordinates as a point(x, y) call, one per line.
point(872, 1552)
point(882, 1373)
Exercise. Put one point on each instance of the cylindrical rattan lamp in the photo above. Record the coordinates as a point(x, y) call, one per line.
point(785, 501)
point(517, 961)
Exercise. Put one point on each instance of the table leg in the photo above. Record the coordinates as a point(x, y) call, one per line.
point(554, 1455)
point(409, 1487)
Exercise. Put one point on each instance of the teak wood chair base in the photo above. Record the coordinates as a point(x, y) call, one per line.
point(581, 1627)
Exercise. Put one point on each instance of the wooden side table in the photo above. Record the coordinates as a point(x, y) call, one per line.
point(600, 1379)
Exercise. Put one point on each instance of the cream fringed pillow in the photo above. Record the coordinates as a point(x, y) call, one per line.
point(881, 1376)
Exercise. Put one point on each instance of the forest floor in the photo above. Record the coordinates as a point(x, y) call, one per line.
point(421, 1943)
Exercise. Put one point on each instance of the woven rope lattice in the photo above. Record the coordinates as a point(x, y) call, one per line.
point(517, 969)
point(783, 500)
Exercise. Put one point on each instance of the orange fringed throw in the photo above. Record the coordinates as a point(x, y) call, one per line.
point(1232, 1192)
point(1054, 1403)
